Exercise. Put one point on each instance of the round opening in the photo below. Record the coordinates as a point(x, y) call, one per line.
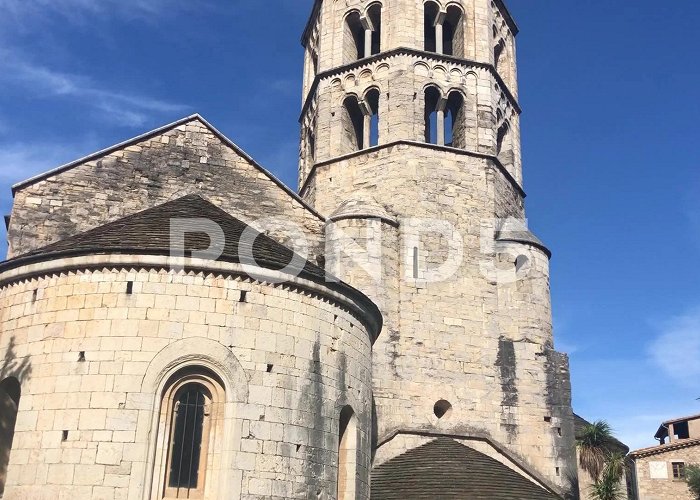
point(442, 409)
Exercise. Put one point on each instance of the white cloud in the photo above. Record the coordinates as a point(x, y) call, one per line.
point(676, 350)
point(132, 110)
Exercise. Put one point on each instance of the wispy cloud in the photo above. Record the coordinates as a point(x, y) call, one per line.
point(120, 108)
point(20, 13)
point(20, 161)
point(676, 350)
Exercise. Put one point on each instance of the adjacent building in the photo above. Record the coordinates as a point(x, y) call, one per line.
point(659, 471)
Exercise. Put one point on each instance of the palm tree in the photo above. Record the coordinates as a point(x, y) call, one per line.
point(598, 457)
point(594, 447)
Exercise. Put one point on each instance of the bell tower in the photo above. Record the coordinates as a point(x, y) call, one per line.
point(410, 146)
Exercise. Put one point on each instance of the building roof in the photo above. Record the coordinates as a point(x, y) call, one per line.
point(676, 445)
point(663, 428)
point(158, 131)
point(148, 232)
point(580, 423)
point(446, 469)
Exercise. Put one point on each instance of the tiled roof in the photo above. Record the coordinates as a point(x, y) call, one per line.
point(676, 445)
point(444, 469)
point(148, 233)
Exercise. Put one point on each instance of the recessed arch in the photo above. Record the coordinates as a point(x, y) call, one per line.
point(353, 37)
point(352, 124)
point(374, 18)
point(347, 454)
point(431, 11)
point(10, 393)
point(453, 35)
point(191, 424)
point(432, 116)
point(371, 132)
point(504, 144)
point(455, 120)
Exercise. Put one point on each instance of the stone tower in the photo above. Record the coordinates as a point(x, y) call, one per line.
point(410, 145)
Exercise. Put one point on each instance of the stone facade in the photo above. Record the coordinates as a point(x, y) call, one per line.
point(98, 357)
point(187, 157)
point(409, 178)
point(654, 474)
point(480, 339)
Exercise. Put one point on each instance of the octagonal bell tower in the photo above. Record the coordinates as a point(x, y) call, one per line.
point(410, 130)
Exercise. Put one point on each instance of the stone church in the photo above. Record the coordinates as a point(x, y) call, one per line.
point(175, 322)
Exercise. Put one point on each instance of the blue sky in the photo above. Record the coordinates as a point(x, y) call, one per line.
point(610, 141)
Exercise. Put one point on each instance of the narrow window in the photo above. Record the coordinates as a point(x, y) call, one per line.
point(371, 131)
point(455, 124)
point(10, 392)
point(347, 454)
point(354, 38)
point(678, 470)
point(504, 145)
point(430, 19)
point(190, 417)
point(415, 262)
point(353, 125)
point(453, 32)
point(432, 120)
point(499, 53)
point(374, 16)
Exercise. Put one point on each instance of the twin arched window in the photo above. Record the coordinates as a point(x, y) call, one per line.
point(445, 123)
point(361, 121)
point(443, 30)
point(363, 34)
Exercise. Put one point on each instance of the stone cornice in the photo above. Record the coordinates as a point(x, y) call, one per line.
point(337, 291)
point(514, 183)
point(406, 51)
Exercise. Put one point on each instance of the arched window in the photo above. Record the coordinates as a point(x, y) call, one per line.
point(504, 145)
point(191, 414)
point(353, 125)
point(434, 118)
point(499, 53)
point(347, 454)
point(431, 27)
point(453, 32)
point(374, 16)
point(10, 392)
point(455, 121)
point(371, 125)
point(354, 38)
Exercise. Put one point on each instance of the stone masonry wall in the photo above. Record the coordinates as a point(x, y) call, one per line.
point(94, 357)
point(474, 339)
point(662, 486)
point(188, 159)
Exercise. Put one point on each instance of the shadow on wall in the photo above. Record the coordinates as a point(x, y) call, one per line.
point(13, 373)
